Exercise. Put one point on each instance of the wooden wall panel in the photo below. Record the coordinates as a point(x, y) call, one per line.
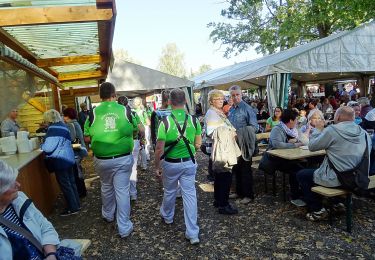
point(29, 117)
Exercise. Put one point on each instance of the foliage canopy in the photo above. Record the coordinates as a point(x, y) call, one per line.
point(273, 25)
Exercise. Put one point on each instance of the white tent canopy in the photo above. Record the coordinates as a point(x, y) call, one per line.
point(133, 80)
point(343, 55)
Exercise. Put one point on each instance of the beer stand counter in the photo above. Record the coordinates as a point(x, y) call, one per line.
point(36, 182)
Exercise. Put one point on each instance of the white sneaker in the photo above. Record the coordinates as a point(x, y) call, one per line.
point(245, 200)
point(193, 241)
point(133, 198)
point(298, 203)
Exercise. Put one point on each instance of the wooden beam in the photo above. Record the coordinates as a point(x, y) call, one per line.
point(106, 31)
point(15, 45)
point(70, 60)
point(80, 91)
point(51, 15)
point(75, 76)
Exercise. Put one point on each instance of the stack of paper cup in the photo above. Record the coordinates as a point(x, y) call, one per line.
point(22, 135)
point(24, 146)
point(8, 145)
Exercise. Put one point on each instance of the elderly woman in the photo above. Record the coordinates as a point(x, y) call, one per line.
point(214, 119)
point(60, 159)
point(70, 119)
point(306, 130)
point(14, 245)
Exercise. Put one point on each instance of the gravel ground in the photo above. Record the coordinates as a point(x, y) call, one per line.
point(268, 228)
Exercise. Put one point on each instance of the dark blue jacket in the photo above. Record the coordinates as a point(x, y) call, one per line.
point(58, 147)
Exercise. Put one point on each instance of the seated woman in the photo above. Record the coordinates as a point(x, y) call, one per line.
point(214, 119)
point(60, 159)
point(306, 130)
point(13, 245)
point(284, 136)
point(275, 119)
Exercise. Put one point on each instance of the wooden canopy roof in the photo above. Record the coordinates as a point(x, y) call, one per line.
point(71, 40)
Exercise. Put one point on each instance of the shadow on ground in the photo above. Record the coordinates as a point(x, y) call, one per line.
point(266, 228)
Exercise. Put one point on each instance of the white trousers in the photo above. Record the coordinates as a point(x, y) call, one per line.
point(184, 173)
point(114, 177)
point(133, 176)
point(148, 141)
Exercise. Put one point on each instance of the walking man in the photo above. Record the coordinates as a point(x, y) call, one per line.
point(178, 137)
point(111, 134)
point(242, 115)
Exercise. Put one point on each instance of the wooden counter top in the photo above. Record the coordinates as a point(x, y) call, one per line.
point(20, 160)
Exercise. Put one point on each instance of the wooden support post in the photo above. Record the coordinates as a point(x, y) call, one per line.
point(56, 97)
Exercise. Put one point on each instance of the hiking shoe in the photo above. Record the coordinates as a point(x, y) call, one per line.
point(317, 215)
point(233, 196)
point(245, 200)
point(68, 213)
point(228, 210)
point(298, 203)
point(193, 241)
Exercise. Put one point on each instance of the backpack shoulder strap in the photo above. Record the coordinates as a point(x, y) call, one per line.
point(166, 123)
point(91, 116)
point(24, 207)
point(129, 114)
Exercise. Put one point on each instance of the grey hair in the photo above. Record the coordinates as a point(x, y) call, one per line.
point(235, 88)
point(315, 111)
point(52, 116)
point(345, 113)
point(364, 101)
point(7, 177)
point(177, 97)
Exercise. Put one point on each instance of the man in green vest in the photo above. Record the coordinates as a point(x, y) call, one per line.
point(178, 137)
point(111, 134)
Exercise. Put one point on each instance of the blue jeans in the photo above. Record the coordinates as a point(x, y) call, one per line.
point(305, 178)
point(66, 181)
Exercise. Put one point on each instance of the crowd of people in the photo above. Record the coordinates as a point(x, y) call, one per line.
point(118, 134)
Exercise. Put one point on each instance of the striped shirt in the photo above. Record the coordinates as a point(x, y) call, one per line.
point(21, 247)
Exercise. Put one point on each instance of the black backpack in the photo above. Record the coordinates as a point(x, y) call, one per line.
point(356, 179)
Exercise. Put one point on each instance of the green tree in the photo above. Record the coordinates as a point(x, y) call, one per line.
point(172, 61)
point(202, 69)
point(272, 25)
point(123, 55)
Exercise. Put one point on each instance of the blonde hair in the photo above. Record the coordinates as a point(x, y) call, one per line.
point(52, 116)
point(215, 93)
point(137, 102)
point(7, 177)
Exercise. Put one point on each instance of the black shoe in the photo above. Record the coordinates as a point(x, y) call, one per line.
point(228, 210)
point(68, 213)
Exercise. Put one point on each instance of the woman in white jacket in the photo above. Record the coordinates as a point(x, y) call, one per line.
point(214, 119)
point(13, 245)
